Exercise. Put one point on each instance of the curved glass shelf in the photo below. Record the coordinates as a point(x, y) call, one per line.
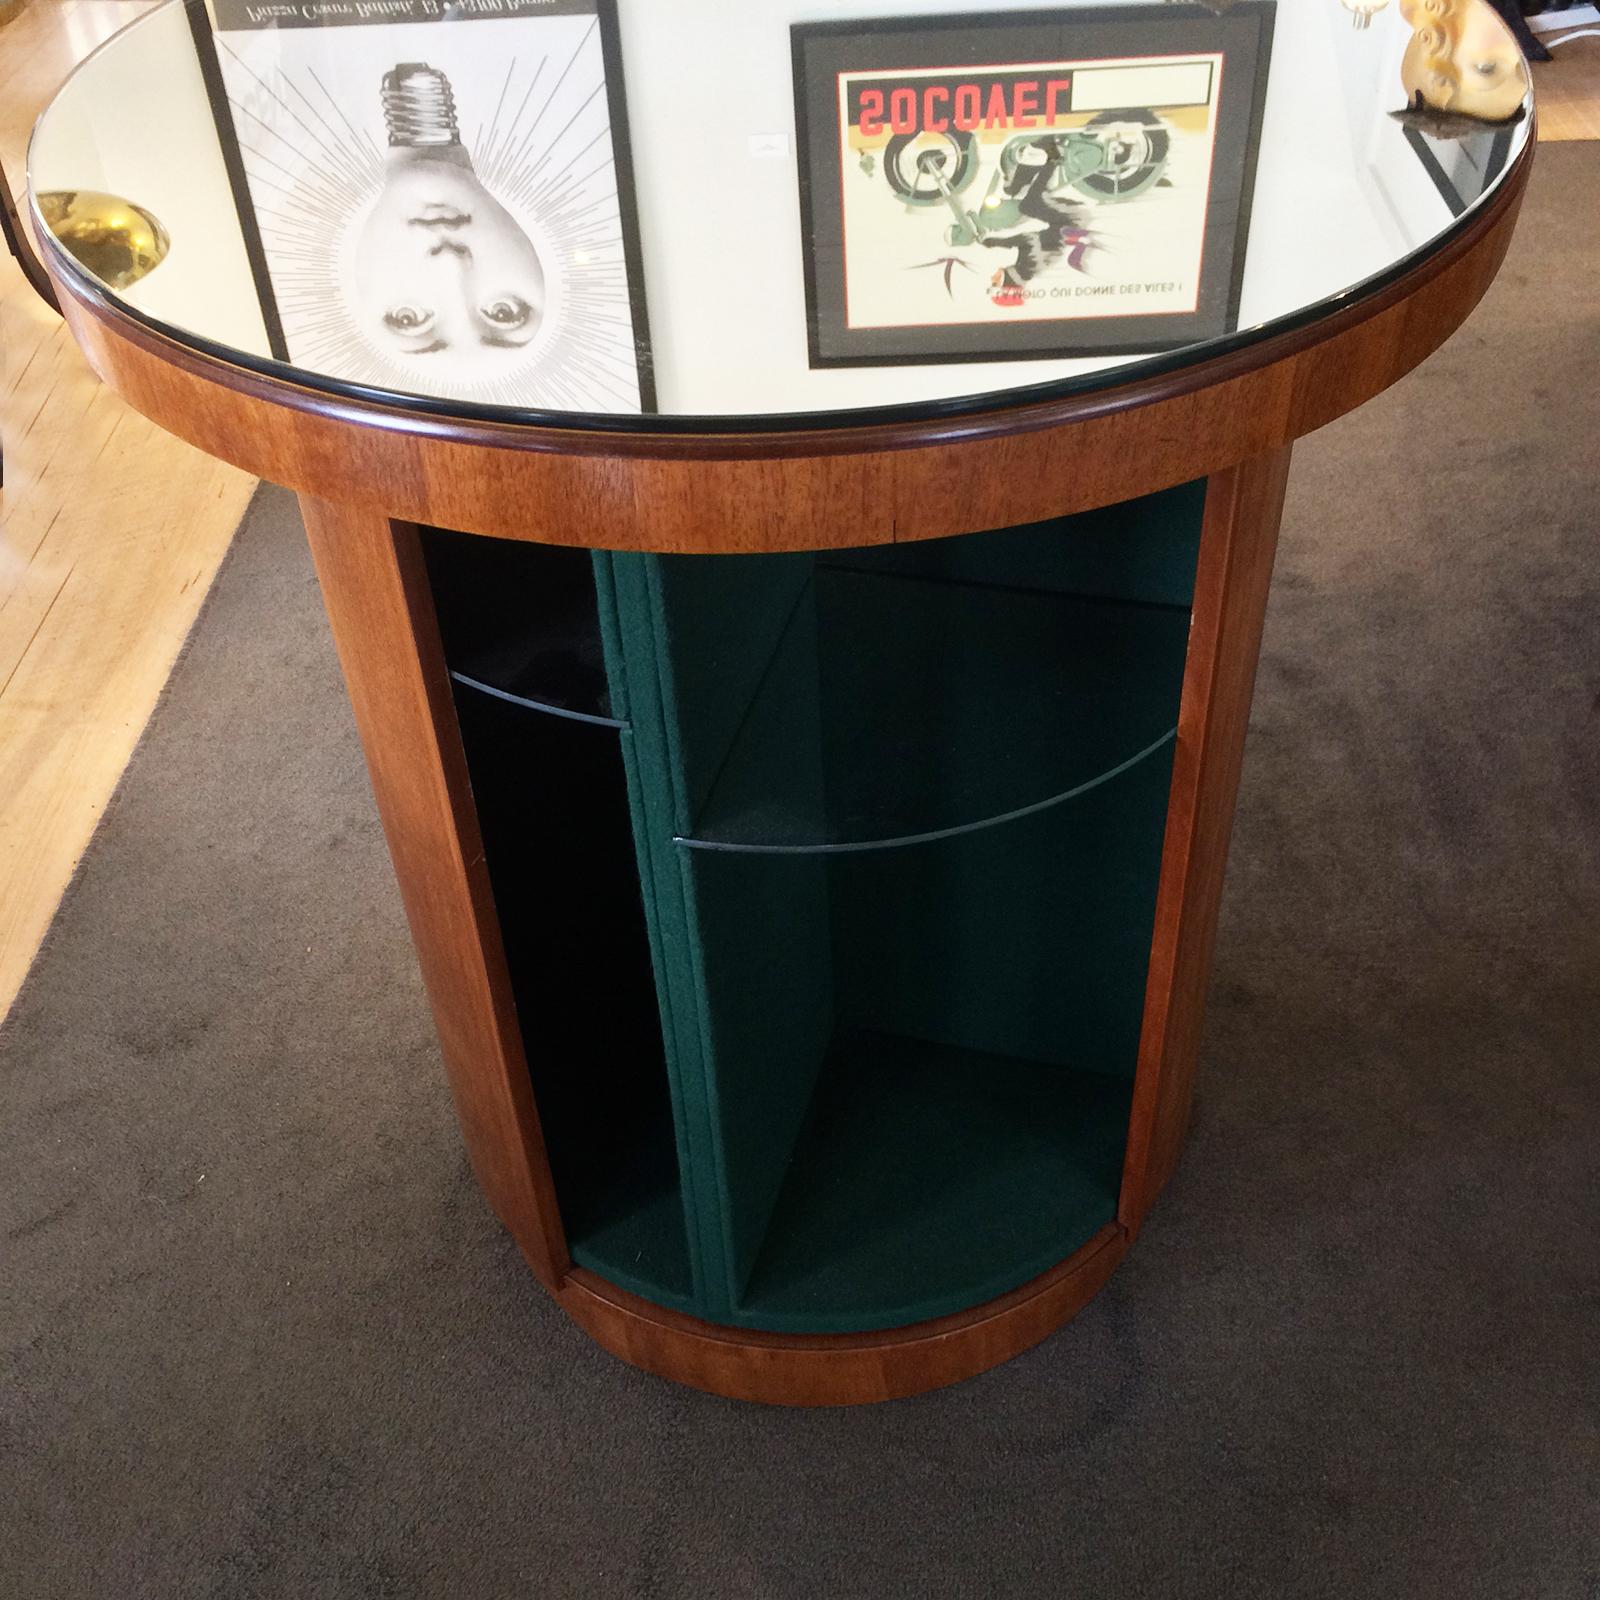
point(518, 622)
point(545, 707)
point(935, 835)
point(900, 709)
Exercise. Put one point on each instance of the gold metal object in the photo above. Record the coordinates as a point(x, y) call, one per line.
point(116, 240)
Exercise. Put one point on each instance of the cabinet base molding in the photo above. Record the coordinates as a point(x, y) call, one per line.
point(839, 1369)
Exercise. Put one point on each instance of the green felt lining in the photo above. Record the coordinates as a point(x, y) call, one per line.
point(928, 1179)
point(633, 663)
point(892, 1082)
point(898, 707)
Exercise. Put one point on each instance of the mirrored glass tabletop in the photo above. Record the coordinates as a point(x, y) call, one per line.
point(695, 214)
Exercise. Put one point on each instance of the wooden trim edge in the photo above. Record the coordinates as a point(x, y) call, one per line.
point(764, 444)
point(874, 484)
point(1239, 539)
point(380, 612)
point(839, 1369)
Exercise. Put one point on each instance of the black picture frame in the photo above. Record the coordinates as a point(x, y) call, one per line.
point(206, 20)
point(980, 50)
point(1464, 182)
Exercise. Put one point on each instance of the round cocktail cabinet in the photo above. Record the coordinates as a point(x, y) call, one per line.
point(799, 571)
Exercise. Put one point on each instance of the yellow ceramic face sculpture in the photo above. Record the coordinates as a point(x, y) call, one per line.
point(1462, 61)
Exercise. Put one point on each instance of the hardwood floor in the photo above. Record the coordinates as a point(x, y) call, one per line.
point(110, 532)
point(1567, 89)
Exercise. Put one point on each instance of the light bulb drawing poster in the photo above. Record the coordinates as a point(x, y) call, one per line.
point(1027, 184)
point(435, 194)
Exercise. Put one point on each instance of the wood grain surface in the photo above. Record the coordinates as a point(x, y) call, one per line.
point(1239, 536)
point(839, 1369)
point(376, 592)
point(1566, 90)
point(826, 489)
point(110, 532)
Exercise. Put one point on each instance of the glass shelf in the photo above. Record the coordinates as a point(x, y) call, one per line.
point(547, 706)
point(900, 708)
point(519, 622)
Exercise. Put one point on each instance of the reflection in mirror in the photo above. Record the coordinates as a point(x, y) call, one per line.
point(1363, 11)
point(1462, 69)
point(455, 201)
point(116, 240)
point(441, 265)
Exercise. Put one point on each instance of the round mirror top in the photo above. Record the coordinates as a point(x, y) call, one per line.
point(785, 213)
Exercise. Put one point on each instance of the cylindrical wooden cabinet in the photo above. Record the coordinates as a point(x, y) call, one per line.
point(818, 939)
point(812, 828)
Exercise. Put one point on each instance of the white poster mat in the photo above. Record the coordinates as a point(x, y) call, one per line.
point(347, 226)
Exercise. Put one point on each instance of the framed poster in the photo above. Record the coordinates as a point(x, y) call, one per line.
point(1027, 184)
point(435, 194)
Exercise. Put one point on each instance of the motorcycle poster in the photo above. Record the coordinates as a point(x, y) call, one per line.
point(433, 194)
point(1033, 184)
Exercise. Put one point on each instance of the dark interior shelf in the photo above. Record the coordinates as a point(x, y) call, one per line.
point(624, 1214)
point(928, 1178)
point(935, 705)
point(519, 621)
point(553, 807)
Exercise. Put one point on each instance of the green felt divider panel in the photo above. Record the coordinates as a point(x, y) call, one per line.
point(626, 615)
point(896, 819)
point(714, 623)
point(746, 979)
point(767, 969)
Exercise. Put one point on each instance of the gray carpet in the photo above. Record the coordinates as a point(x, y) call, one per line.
point(261, 1337)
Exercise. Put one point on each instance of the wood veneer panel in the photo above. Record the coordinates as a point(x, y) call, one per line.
point(374, 585)
point(1238, 539)
point(823, 489)
point(839, 1369)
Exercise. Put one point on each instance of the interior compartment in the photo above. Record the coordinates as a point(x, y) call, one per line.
point(552, 801)
point(941, 705)
point(829, 911)
point(917, 799)
point(954, 1054)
